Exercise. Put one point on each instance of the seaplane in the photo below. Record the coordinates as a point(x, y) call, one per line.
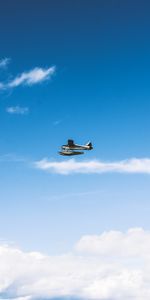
point(74, 149)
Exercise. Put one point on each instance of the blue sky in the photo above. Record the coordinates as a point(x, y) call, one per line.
point(73, 69)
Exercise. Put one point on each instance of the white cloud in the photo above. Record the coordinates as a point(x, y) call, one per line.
point(30, 78)
point(93, 273)
point(4, 62)
point(72, 166)
point(133, 243)
point(17, 110)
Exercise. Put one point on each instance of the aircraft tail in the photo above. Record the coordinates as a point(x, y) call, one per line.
point(90, 145)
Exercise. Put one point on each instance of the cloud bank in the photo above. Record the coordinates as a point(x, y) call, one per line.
point(73, 166)
point(113, 265)
point(32, 77)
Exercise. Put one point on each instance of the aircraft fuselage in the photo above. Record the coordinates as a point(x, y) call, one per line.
point(76, 147)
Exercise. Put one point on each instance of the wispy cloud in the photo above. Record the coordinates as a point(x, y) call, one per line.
point(73, 166)
point(112, 265)
point(32, 77)
point(57, 122)
point(4, 62)
point(17, 110)
point(2, 86)
point(12, 157)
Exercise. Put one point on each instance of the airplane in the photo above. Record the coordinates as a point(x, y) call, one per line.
point(72, 146)
point(68, 150)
